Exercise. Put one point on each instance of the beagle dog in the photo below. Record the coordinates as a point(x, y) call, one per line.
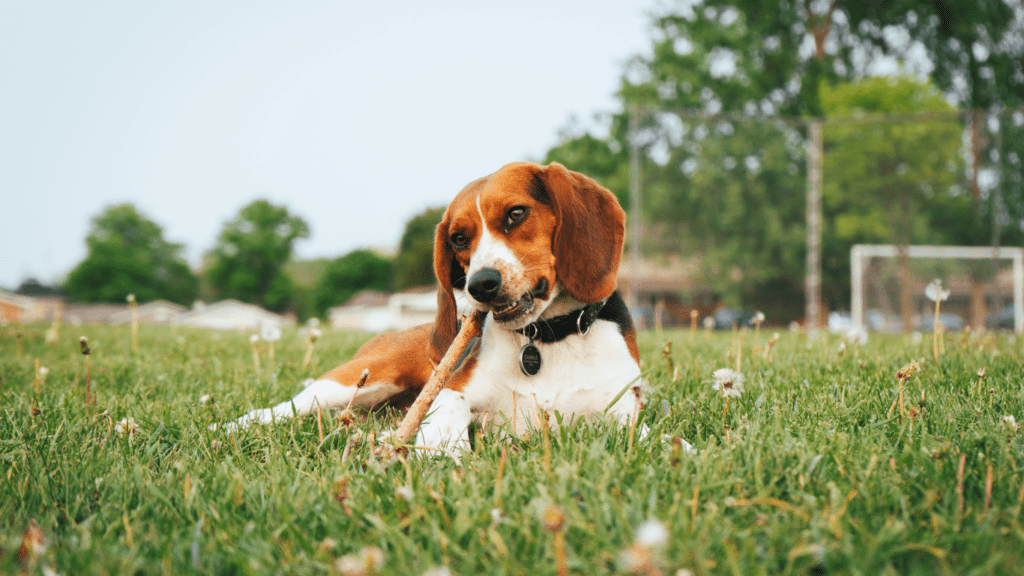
point(538, 248)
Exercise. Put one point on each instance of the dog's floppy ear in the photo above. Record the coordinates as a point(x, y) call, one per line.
point(588, 239)
point(450, 275)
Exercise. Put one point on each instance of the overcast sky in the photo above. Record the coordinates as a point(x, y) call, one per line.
point(355, 115)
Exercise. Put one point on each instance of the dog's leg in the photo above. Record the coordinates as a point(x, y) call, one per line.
point(396, 361)
point(327, 392)
point(324, 394)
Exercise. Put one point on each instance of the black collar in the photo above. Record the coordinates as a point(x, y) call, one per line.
point(557, 328)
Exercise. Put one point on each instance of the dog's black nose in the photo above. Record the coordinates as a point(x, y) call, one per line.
point(484, 285)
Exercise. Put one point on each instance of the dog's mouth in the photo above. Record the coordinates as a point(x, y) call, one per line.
point(506, 312)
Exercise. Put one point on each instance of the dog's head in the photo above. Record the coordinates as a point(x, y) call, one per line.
point(511, 240)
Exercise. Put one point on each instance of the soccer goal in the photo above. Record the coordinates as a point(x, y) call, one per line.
point(887, 286)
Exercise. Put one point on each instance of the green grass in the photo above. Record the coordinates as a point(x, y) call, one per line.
point(813, 477)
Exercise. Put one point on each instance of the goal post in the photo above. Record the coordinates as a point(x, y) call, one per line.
point(860, 255)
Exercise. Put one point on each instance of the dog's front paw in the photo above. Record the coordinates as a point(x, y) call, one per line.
point(446, 427)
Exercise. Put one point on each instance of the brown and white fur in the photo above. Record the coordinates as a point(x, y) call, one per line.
point(526, 243)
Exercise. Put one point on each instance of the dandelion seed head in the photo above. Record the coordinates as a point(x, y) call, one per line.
point(652, 534)
point(404, 492)
point(934, 291)
point(127, 426)
point(858, 336)
point(270, 333)
point(728, 382)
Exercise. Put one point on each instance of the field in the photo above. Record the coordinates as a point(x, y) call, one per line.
point(811, 471)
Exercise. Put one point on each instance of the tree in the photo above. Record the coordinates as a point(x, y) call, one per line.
point(355, 271)
point(246, 263)
point(414, 263)
point(886, 179)
point(716, 66)
point(127, 254)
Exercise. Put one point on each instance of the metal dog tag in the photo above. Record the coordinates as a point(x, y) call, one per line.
point(529, 359)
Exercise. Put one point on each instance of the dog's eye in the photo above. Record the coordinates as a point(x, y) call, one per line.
point(515, 215)
point(459, 240)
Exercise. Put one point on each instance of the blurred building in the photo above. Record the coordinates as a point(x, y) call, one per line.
point(373, 311)
point(231, 315)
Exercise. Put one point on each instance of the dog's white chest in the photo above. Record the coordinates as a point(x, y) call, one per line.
point(579, 376)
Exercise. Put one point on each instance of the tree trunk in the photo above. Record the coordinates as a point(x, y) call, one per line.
point(978, 308)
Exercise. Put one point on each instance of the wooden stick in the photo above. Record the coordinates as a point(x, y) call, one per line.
point(472, 327)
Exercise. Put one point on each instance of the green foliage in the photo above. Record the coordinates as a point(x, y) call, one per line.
point(596, 158)
point(127, 254)
point(246, 263)
point(813, 476)
point(889, 182)
point(305, 274)
point(732, 192)
point(414, 263)
point(343, 277)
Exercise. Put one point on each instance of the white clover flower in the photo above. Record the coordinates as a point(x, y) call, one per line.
point(127, 426)
point(350, 565)
point(43, 370)
point(651, 534)
point(204, 398)
point(366, 561)
point(1011, 423)
point(934, 291)
point(270, 333)
point(728, 382)
point(404, 492)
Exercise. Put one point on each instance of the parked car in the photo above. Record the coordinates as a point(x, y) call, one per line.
point(1000, 319)
point(839, 322)
point(878, 321)
point(951, 322)
point(726, 317)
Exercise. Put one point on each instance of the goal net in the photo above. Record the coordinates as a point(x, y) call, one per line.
point(985, 284)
